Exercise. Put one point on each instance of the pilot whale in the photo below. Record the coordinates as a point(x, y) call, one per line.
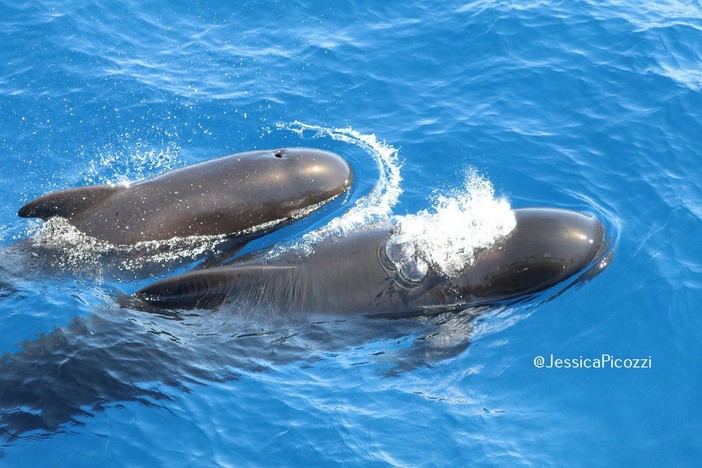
point(235, 195)
point(371, 272)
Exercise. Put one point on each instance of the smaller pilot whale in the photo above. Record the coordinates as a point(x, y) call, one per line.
point(235, 195)
point(369, 272)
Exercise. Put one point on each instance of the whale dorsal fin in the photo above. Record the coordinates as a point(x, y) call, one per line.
point(68, 203)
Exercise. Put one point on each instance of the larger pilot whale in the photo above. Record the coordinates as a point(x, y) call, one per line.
point(235, 195)
point(375, 271)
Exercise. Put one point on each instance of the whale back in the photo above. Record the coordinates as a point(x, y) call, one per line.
point(349, 274)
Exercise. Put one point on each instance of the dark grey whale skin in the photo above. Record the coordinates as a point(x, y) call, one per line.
point(224, 196)
point(353, 274)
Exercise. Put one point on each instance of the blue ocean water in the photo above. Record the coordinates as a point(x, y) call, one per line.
point(593, 106)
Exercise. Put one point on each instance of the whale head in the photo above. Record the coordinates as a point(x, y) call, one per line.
point(546, 246)
point(303, 176)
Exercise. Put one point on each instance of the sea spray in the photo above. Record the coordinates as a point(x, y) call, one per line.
point(448, 235)
point(125, 165)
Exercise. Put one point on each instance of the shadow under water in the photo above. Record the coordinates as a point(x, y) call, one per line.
point(119, 354)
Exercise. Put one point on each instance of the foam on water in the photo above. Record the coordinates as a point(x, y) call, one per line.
point(447, 236)
point(80, 252)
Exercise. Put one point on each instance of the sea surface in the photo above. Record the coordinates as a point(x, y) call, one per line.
point(591, 106)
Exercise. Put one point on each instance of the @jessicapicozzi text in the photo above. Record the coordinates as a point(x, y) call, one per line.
point(603, 361)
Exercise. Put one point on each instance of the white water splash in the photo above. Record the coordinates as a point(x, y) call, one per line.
point(375, 206)
point(81, 252)
point(122, 166)
point(448, 236)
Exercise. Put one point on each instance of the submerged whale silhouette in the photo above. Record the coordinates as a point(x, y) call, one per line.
point(237, 195)
point(118, 354)
point(367, 272)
